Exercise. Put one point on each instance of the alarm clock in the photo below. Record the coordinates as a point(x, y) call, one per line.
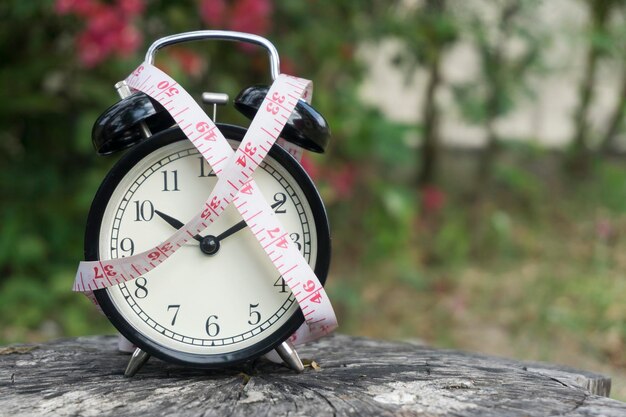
point(219, 300)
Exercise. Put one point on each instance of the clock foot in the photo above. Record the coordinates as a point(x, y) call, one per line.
point(289, 355)
point(135, 363)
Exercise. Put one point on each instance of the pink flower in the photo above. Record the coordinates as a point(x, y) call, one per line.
point(309, 166)
point(105, 20)
point(251, 16)
point(190, 62)
point(90, 50)
point(343, 180)
point(64, 6)
point(605, 230)
point(287, 66)
point(73, 6)
point(433, 199)
point(108, 29)
point(129, 40)
point(82, 8)
point(131, 8)
point(213, 12)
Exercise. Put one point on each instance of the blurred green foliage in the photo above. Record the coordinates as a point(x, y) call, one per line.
point(500, 248)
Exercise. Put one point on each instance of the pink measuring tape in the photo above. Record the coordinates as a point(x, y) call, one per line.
point(235, 185)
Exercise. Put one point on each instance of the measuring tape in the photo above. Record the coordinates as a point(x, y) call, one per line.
point(235, 185)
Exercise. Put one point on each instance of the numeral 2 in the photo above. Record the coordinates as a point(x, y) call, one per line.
point(280, 199)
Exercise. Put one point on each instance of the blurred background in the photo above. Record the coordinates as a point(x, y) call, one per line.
point(475, 182)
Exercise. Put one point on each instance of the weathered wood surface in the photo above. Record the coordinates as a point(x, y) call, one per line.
point(359, 377)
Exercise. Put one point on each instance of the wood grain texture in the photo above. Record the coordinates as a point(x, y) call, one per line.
point(358, 377)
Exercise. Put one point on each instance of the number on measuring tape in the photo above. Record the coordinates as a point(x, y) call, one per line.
point(101, 271)
point(272, 108)
point(278, 98)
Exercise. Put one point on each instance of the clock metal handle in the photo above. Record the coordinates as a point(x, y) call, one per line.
point(224, 35)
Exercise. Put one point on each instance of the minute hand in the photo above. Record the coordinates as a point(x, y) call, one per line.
point(237, 227)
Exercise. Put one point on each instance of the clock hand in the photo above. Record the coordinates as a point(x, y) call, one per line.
point(210, 244)
point(237, 227)
point(177, 224)
point(231, 230)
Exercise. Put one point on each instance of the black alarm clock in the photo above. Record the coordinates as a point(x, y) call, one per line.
point(208, 306)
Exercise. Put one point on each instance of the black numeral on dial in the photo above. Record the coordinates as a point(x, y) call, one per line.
point(295, 237)
point(144, 210)
point(211, 327)
point(170, 180)
point(204, 168)
point(280, 283)
point(127, 246)
point(174, 307)
point(141, 291)
point(255, 316)
point(279, 200)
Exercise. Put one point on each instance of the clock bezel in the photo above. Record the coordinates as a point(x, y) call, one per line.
point(92, 237)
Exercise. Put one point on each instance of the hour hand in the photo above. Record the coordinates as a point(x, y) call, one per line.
point(175, 223)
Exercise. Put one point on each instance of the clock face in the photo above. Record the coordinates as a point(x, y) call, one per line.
point(209, 303)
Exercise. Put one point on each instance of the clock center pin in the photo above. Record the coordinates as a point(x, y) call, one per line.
point(209, 245)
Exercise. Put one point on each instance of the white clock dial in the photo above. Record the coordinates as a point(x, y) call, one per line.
point(199, 303)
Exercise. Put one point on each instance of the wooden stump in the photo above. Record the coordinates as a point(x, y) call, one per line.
point(359, 377)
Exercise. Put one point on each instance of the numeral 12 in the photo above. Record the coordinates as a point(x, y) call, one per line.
point(203, 171)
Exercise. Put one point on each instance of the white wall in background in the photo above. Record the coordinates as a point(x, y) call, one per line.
point(546, 118)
